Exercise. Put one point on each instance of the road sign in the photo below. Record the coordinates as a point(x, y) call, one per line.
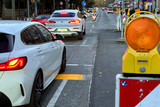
point(84, 3)
point(137, 91)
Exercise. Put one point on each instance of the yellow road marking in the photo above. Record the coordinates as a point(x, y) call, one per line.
point(69, 77)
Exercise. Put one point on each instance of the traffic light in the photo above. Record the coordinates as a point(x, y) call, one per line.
point(142, 35)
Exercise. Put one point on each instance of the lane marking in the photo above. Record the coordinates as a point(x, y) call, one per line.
point(97, 17)
point(55, 97)
point(92, 26)
point(90, 30)
point(72, 64)
point(84, 42)
point(79, 45)
point(88, 65)
point(72, 54)
point(69, 77)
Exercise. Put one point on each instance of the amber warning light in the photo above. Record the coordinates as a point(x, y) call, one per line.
point(143, 34)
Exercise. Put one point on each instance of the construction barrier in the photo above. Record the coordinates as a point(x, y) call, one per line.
point(94, 16)
point(137, 91)
point(139, 83)
point(124, 16)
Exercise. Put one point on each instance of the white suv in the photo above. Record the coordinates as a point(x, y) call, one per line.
point(30, 58)
point(67, 23)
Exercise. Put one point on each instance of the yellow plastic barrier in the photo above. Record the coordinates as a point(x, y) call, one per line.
point(142, 35)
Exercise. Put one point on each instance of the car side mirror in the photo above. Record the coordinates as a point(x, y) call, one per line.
point(59, 37)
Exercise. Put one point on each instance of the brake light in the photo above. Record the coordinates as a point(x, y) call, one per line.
point(14, 64)
point(74, 21)
point(63, 13)
point(50, 21)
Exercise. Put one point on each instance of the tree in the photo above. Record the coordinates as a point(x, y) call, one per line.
point(1, 4)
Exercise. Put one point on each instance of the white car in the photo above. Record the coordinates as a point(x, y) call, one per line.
point(30, 58)
point(109, 10)
point(67, 23)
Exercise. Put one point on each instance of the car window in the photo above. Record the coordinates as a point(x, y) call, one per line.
point(26, 37)
point(45, 33)
point(43, 17)
point(6, 42)
point(63, 14)
point(79, 15)
point(34, 36)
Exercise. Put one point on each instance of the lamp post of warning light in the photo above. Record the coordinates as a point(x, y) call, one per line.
point(122, 20)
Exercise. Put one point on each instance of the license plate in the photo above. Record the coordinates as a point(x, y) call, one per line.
point(62, 30)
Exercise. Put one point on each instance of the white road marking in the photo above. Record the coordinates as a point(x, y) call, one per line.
point(79, 45)
point(92, 26)
point(88, 65)
point(72, 65)
point(85, 65)
point(55, 97)
point(97, 17)
point(90, 30)
point(84, 42)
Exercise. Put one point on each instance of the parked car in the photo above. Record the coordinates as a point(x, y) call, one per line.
point(41, 18)
point(109, 10)
point(103, 8)
point(30, 59)
point(67, 23)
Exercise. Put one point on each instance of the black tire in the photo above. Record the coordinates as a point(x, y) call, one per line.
point(63, 63)
point(4, 100)
point(84, 33)
point(37, 88)
point(80, 36)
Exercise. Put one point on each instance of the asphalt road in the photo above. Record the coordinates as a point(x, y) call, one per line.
point(98, 59)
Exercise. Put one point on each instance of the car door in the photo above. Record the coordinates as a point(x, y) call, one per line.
point(37, 48)
point(54, 51)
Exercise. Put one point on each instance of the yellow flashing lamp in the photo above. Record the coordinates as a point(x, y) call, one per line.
point(142, 35)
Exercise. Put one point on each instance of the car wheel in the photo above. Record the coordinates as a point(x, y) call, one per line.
point(80, 36)
point(63, 63)
point(84, 32)
point(37, 88)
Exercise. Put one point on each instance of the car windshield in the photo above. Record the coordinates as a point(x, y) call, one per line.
point(6, 42)
point(43, 17)
point(63, 14)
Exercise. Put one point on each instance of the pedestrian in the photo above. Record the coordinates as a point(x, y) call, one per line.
point(25, 14)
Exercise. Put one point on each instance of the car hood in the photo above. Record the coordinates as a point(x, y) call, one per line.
point(3, 58)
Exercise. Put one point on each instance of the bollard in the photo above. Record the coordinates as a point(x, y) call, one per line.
point(124, 16)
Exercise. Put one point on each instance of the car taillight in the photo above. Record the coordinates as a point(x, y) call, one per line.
point(74, 21)
point(50, 21)
point(14, 64)
point(63, 13)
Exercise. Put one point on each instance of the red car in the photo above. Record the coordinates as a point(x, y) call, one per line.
point(41, 19)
